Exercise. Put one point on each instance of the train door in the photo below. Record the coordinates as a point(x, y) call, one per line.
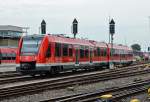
point(91, 61)
point(77, 56)
point(0, 56)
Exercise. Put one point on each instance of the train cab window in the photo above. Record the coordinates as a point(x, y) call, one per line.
point(86, 51)
point(57, 49)
point(31, 45)
point(48, 53)
point(81, 51)
point(65, 50)
point(98, 51)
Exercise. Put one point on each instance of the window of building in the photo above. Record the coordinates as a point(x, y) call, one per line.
point(81, 51)
point(48, 53)
point(4, 56)
point(65, 50)
point(13, 56)
point(9, 56)
point(57, 49)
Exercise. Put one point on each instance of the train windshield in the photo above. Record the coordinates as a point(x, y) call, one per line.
point(31, 45)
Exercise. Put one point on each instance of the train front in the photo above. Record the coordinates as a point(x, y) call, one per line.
point(29, 54)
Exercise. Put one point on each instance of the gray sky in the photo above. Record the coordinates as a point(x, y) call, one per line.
point(131, 17)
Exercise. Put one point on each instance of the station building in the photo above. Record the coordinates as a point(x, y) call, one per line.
point(9, 39)
point(10, 35)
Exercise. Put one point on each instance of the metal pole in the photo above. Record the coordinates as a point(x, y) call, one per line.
point(112, 45)
point(109, 32)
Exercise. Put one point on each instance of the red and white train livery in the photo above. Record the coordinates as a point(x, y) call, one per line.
point(8, 54)
point(43, 54)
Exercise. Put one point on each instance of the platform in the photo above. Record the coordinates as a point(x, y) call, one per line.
point(7, 67)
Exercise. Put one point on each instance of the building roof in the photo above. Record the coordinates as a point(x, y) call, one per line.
point(11, 28)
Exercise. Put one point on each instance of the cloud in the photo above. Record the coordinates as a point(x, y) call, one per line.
point(131, 17)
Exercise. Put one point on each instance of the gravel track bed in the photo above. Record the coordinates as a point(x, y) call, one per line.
point(143, 97)
point(44, 79)
point(77, 89)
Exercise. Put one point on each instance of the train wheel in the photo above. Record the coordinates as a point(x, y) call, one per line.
point(33, 75)
point(53, 71)
point(74, 70)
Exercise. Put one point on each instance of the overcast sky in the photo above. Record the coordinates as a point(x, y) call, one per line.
point(131, 17)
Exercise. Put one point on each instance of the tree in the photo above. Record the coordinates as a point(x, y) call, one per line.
point(136, 47)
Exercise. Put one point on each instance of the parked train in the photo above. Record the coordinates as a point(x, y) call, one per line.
point(8, 54)
point(44, 54)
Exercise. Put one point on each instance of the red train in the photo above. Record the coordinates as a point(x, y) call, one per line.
point(43, 54)
point(8, 54)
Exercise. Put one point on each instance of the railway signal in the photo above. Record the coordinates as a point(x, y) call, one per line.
point(111, 32)
point(43, 27)
point(75, 27)
point(112, 27)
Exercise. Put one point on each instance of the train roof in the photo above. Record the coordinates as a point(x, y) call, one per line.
point(62, 39)
point(120, 46)
point(99, 44)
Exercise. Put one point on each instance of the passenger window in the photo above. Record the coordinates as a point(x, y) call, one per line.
point(48, 53)
point(13, 56)
point(98, 51)
point(86, 52)
point(105, 52)
point(81, 51)
point(70, 50)
point(102, 52)
point(95, 52)
point(65, 50)
point(58, 50)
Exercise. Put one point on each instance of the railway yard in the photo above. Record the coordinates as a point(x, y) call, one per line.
point(122, 83)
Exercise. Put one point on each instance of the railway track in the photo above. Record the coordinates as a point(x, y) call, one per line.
point(117, 93)
point(9, 74)
point(15, 74)
point(49, 84)
point(21, 78)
